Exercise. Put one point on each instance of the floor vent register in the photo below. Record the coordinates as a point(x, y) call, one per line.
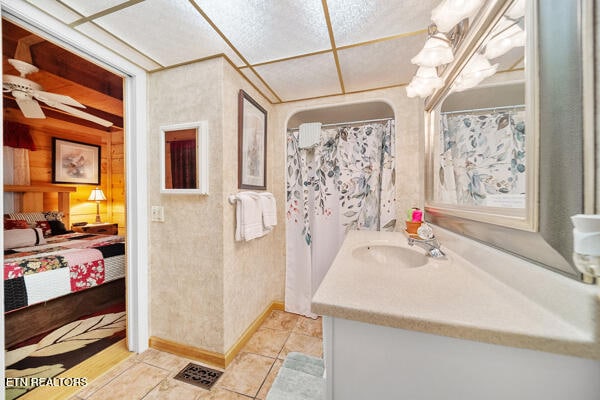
point(199, 375)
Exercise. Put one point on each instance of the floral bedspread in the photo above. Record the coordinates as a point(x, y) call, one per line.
point(67, 263)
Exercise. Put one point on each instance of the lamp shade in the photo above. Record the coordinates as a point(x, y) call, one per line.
point(97, 195)
point(517, 9)
point(506, 36)
point(477, 69)
point(437, 51)
point(451, 12)
point(425, 81)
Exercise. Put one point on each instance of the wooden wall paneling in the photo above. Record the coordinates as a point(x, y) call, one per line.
point(112, 167)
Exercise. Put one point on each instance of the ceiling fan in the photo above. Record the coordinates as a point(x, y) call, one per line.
point(27, 94)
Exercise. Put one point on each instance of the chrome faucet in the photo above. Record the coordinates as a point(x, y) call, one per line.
point(431, 246)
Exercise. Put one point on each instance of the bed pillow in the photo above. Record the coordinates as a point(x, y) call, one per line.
point(58, 227)
point(15, 224)
point(30, 217)
point(15, 238)
point(45, 227)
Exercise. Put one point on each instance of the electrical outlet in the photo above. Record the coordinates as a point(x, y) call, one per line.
point(158, 214)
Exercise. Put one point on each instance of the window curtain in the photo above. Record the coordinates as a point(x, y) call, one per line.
point(183, 164)
point(17, 144)
point(345, 183)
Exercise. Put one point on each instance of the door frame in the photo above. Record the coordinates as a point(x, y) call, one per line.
point(135, 134)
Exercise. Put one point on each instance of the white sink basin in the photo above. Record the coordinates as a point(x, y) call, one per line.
point(390, 255)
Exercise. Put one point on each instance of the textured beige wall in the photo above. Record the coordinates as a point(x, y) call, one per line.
point(186, 251)
point(254, 271)
point(205, 288)
point(410, 145)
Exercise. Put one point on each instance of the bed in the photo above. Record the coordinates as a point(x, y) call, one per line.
point(52, 277)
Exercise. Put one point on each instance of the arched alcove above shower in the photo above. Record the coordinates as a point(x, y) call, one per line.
point(372, 110)
point(340, 174)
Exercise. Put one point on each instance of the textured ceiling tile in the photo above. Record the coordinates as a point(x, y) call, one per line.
point(87, 7)
point(105, 39)
point(380, 64)
point(356, 21)
point(257, 82)
point(302, 77)
point(57, 10)
point(266, 30)
point(168, 31)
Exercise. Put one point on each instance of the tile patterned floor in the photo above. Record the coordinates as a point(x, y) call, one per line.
point(149, 375)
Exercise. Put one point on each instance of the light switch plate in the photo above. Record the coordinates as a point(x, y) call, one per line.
point(158, 214)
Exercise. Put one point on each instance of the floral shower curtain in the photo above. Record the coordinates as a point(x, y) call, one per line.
point(345, 183)
point(482, 159)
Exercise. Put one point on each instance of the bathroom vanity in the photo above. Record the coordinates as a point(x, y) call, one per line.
point(400, 325)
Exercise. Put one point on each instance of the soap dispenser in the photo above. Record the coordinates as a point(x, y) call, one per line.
point(586, 245)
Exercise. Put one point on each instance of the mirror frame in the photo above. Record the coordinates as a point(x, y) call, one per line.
point(202, 161)
point(555, 34)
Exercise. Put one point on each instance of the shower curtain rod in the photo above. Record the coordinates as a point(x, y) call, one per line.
point(350, 123)
point(484, 109)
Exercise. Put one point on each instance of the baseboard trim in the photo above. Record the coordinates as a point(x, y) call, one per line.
point(206, 356)
point(195, 353)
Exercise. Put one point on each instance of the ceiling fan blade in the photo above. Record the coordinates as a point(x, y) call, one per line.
point(29, 107)
point(78, 113)
point(59, 98)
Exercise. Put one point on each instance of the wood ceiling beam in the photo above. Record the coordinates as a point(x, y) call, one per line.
point(54, 59)
point(117, 121)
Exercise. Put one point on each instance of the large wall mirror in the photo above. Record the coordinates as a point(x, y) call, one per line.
point(184, 158)
point(506, 134)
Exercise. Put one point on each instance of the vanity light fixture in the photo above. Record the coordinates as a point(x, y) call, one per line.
point(477, 69)
point(450, 12)
point(437, 50)
point(516, 10)
point(505, 37)
point(426, 80)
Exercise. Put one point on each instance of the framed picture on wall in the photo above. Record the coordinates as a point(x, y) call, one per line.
point(75, 162)
point(252, 143)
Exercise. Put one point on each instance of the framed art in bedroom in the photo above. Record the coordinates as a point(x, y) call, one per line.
point(75, 162)
point(252, 143)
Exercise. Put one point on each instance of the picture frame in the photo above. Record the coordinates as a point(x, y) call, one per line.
point(75, 162)
point(252, 143)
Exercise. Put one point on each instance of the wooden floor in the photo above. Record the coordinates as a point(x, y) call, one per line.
point(90, 369)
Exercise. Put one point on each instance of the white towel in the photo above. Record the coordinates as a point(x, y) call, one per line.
point(269, 210)
point(248, 217)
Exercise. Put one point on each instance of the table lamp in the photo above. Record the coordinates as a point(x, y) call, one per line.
point(97, 195)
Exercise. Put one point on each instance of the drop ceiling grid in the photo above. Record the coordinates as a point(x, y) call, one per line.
point(355, 21)
point(380, 64)
point(302, 78)
point(87, 8)
point(273, 37)
point(106, 39)
point(147, 27)
point(264, 31)
point(55, 9)
point(255, 80)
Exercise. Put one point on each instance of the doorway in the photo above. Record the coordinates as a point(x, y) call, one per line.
point(134, 133)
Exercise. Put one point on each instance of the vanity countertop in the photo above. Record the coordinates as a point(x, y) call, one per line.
point(449, 297)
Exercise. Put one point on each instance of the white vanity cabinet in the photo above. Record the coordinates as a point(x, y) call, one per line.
point(490, 327)
point(367, 361)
